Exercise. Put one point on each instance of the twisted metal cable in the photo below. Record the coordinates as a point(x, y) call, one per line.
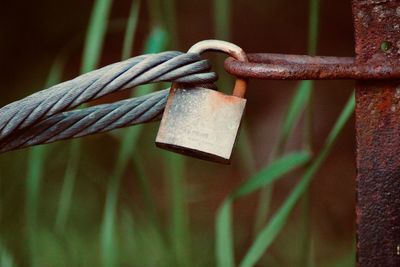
point(95, 119)
point(168, 66)
point(91, 120)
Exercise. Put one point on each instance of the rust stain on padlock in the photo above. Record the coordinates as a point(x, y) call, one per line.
point(201, 123)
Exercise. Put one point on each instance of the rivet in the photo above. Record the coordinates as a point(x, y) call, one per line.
point(385, 46)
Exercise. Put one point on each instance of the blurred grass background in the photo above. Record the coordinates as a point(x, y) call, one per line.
point(116, 200)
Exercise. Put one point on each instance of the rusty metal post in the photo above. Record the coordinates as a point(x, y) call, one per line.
point(377, 34)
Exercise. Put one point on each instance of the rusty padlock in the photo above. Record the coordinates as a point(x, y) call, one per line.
point(201, 122)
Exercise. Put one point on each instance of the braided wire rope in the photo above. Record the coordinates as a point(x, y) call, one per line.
point(43, 117)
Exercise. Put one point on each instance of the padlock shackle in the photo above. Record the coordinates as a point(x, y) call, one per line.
point(228, 48)
point(219, 46)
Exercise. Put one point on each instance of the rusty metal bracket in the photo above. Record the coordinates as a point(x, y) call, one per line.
point(377, 35)
point(376, 69)
point(302, 67)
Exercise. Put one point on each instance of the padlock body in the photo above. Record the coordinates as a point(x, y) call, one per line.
point(201, 123)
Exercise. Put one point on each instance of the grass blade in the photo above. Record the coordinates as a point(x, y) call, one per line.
point(157, 40)
point(224, 236)
point(36, 160)
point(292, 116)
point(145, 188)
point(273, 228)
point(179, 226)
point(179, 232)
point(222, 12)
point(179, 222)
point(222, 26)
point(245, 150)
point(6, 259)
point(34, 176)
point(91, 55)
point(307, 142)
point(127, 147)
point(156, 13)
point(67, 187)
point(170, 22)
point(347, 260)
point(95, 35)
point(296, 106)
point(130, 31)
point(272, 172)
point(301, 101)
point(313, 26)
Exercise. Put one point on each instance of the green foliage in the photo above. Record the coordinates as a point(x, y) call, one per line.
point(35, 169)
point(95, 35)
point(65, 201)
point(267, 175)
point(122, 236)
point(222, 22)
point(6, 259)
point(127, 148)
point(130, 30)
point(300, 102)
point(313, 25)
point(272, 172)
point(348, 259)
point(156, 42)
point(296, 107)
point(224, 236)
point(272, 229)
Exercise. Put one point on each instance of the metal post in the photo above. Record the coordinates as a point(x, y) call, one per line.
point(377, 34)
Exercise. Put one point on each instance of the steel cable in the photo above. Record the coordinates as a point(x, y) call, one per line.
point(40, 118)
point(82, 122)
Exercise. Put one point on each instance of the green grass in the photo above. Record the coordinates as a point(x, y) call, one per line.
point(224, 233)
point(129, 37)
point(222, 30)
point(95, 35)
point(178, 230)
point(67, 188)
point(301, 102)
point(127, 146)
point(93, 45)
point(35, 169)
point(6, 259)
point(156, 42)
point(179, 220)
point(90, 58)
point(293, 113)
point(279, 219)
point(169, 7)
point(222, 19)
point(122, 235)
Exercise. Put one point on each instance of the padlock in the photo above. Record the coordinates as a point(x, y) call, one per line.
point(201, 122)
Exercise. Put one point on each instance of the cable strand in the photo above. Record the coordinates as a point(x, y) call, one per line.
point(45, 117)
point(118, 76)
